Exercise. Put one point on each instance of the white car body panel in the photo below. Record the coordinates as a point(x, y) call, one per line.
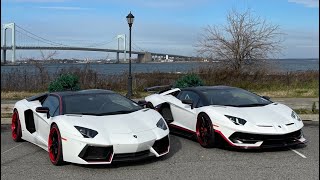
point(113, 130)
point(272, 119)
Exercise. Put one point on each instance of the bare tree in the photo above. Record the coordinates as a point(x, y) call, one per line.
point(44, 75)
point(244, 40)
point(48, 56)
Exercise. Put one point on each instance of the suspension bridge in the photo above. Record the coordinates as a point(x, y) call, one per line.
point(23, 39)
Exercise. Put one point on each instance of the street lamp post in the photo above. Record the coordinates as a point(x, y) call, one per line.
point(130, 19)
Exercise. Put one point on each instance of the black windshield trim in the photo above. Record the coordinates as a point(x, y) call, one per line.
point(97, 93)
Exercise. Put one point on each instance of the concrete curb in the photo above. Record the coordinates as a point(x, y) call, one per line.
point(5, 121)
point(309, 117)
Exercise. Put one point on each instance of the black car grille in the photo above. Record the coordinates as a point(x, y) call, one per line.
point(268, 140)
point(95, 153)
point(161, 145)
point(131, 156)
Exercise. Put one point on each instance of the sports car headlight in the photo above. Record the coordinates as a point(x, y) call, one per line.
point(86, 133)
point(236, 120)
point(161, 124)
point(294, 115)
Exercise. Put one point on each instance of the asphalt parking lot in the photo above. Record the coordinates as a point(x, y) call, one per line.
point(186, 160)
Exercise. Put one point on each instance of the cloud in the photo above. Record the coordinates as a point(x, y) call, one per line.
point(307, 3)
point(308, 46)
point(68, 8)
point(38, 1)
point(163, 4)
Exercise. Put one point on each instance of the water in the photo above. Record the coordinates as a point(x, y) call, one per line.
point(297, 64)
point(283, 65)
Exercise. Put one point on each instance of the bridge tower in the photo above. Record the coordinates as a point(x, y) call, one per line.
point(123, 37)
point(11, 26)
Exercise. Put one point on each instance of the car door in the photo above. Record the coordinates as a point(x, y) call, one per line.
point(183, 114)
point(43, 121)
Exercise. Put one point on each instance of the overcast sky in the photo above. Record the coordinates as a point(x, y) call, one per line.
point(166, 26)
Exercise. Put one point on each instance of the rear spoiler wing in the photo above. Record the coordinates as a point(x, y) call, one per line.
point(158, 89)
point(165, 89)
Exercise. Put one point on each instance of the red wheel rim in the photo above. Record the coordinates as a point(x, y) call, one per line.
point(204, 131)
point(15, 125)
point(54, 145)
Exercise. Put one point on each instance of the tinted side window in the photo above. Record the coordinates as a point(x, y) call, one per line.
point(52, 103)
point(189, 95)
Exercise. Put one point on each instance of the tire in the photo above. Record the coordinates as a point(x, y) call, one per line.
point(55, 146)
point(205, 131)
point(16, 127)
point(166, 114)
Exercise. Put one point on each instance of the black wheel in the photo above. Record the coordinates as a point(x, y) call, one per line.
point(16, 127)
point(166, 114)
point(55, 146)
point(205, 131)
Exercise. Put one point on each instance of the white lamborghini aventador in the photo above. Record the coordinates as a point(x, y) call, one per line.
point(90, 127)
point(227, 114)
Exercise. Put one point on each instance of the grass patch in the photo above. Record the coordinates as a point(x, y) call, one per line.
point(17, 95)
point(292, 93)
point(20, 83)
point(306, 111)
point(310, 93)
point(136, 94)
point(6, 115)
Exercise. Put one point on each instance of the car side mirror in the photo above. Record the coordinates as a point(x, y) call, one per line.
point(266, 97)
point(188, 101)
point(43, 110)
point(142, 103)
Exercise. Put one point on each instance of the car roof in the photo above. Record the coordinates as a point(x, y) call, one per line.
point(87, 91)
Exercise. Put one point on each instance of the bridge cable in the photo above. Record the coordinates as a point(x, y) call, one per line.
point(41, 37)
point(55, 43)
point(139, 48)
point(46, 42)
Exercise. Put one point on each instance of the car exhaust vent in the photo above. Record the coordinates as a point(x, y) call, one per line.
point(289, 124)
point(96, 153)
point(264, 126)
point(161, 145)
point(264, 137)
point(131, 156)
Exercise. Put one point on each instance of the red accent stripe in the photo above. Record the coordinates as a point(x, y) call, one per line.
point(63, 138)
point(111, 157)
point(181, 128)
point(243, 147)
point(60, 100)
point(225, 138)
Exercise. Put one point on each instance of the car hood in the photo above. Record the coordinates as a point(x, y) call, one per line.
point(268, 115)
point(134, 122)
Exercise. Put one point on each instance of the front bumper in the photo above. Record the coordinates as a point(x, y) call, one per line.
point(99, 154)
point(262, 141)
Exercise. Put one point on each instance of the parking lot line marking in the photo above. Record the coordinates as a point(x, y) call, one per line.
point(11, 148)
point(298, 153)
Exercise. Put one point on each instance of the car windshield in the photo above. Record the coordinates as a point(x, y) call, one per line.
point(99, 104)
point(234, 97)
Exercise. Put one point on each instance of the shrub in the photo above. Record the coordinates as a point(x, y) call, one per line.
point(189, 80)
point(65, 82)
